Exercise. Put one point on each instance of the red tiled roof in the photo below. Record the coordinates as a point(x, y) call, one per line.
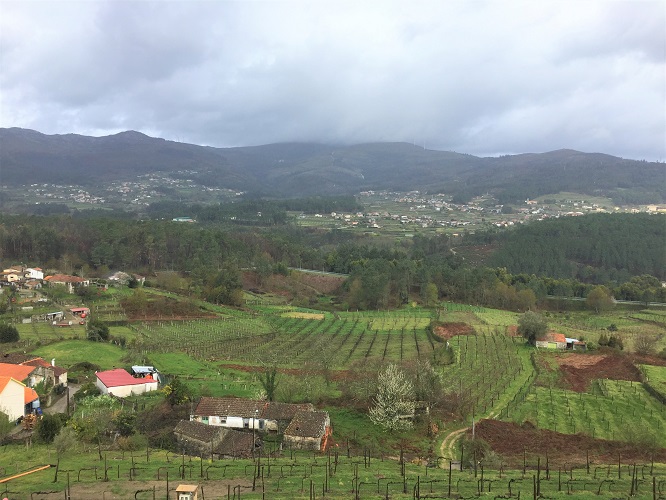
point(18, 372)
point(4, 381)
point(57, 371)
point(64, 278)
point(117, 378)
point(29, 395)
point(553, 337)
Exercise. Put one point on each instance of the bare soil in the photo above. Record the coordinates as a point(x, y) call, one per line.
point(510, 440)
point(578, 370)
point(448, 330)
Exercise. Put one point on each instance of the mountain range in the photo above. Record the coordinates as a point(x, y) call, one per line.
point(304, 169)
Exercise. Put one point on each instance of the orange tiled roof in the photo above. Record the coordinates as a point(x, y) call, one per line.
point(29, 395)
point(18, 372)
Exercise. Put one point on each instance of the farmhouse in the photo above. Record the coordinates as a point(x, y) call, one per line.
point(552, 340)
point(41, 370)
point(121, 384)
point(238, 413)
point(308, 430)
point(69, 282)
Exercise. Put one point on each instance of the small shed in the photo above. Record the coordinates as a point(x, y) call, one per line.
point(187, 492)
point(121, 384)
point(145, 372)
point(552, 340)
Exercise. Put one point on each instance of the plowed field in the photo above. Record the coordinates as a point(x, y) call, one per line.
point(578, 370)
point(510, 439)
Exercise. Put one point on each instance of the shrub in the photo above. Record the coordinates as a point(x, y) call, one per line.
point(98, 331)
point(8, 333)
point(49, 426)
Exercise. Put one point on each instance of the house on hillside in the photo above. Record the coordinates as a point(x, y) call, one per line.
point(16, 399)
point(248, 414)
point(308, 430)
point(48, 372)
point(121, 384)
point(12, 398)
point(69, 282)
point(42, 370)
point(552, 340)
point(33, 273)
point(235, 413)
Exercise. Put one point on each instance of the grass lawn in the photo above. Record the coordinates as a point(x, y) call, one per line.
point(70, 352)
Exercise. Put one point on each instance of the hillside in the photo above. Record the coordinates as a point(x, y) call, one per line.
point(295, 169)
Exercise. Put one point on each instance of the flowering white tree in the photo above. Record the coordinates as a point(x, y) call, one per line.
point(394, 403)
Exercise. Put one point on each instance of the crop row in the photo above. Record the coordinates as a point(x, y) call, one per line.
point(617, 410)
point(485, 367)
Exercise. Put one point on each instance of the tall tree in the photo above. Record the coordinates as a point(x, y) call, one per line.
point(531, 326)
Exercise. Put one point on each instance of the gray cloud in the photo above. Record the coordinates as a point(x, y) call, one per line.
point(476, 77)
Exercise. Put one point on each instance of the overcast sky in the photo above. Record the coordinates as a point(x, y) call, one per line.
point(479, 77)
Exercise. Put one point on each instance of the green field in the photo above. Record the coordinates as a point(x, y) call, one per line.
point(615, 410)
point(70, 352)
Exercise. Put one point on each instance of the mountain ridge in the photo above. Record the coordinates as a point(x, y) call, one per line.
point(306, 169)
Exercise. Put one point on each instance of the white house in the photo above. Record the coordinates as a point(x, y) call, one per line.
point(33, 273)
point(239, 413)
point(12, 397)
point(120, 383)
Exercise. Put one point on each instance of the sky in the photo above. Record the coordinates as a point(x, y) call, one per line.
point(480, 77)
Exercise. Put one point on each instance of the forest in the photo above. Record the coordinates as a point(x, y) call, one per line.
point(565, 257)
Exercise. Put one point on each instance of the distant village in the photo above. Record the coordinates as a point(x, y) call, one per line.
point(418, 210)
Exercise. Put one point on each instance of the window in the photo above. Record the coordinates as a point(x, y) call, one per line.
point(246, 423)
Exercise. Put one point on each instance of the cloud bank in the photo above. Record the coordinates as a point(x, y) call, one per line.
point(482, 77)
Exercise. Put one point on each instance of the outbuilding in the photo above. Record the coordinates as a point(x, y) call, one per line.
point(121, 384)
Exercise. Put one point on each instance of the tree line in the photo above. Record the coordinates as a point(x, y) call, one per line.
point(208, 258)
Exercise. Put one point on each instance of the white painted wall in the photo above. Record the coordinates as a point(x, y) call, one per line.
point(11, 400)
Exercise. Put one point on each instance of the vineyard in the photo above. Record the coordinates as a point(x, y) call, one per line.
point(289, 339)
point(615, 410)
point(488, 369)
point(343, 473)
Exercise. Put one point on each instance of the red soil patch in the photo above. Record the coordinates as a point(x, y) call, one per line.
point(578, 370)
point(510, 439)
point(448, 330)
